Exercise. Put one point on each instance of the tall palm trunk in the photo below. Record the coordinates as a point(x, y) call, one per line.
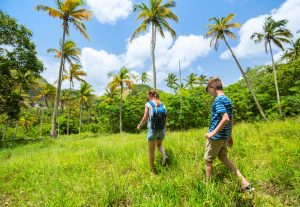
point(16, 129)
point(46, 102)
point(89, 115)
point(180, 89)
point(58, 124)
point(68, 127)
point(121, 105)
point(247, 81)
point(4, 132)
point(153, 42)
point(57, 96)
point(180, 95)
point(275, 79)
point(16, 124)
point(80, 117)
point(42, 119)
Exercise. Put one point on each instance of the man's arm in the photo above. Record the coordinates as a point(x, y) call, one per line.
point(230, 141)
point(220, 126)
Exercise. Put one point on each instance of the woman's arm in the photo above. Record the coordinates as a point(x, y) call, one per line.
point(145, 118)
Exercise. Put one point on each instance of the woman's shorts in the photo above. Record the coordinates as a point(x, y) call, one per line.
point(153, 134)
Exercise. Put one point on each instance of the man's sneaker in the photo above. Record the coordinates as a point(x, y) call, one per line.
point(165, 159)
point(249, 189)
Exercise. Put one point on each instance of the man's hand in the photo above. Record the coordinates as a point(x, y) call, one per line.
point(138, 127)
point(209, 135)
point(230, 142)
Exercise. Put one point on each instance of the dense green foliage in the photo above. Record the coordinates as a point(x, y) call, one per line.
point(17, 53)
point(112, 170)
point(188, 107)
point(196, 102)
point(101, 115)
point(262, 79)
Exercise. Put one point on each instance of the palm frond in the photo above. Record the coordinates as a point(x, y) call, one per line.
point(52, 12)
point(139, 30)
point(80, 26)
point(170, 4)
point(228, 18)
point(82, 14)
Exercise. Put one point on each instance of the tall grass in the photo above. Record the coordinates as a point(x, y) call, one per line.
point(112, 170)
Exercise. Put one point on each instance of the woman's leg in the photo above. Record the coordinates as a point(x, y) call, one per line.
point(151, 148)
point(160, 147)
point(162, 151)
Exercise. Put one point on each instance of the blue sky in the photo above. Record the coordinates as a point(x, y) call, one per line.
point(114, 22)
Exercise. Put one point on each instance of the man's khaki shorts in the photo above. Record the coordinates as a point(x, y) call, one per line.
point(214, 148)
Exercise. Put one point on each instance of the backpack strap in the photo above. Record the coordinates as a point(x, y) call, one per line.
point(153, 105)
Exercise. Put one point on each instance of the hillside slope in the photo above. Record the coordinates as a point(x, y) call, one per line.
point(112, 170)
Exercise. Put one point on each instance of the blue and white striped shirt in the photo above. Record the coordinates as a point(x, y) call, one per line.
point(222, 104)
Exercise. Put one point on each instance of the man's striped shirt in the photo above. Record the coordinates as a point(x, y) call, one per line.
point(222, 104)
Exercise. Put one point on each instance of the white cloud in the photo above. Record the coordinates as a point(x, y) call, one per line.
point(138, 51)
point(137, 57)
point(167, 52)
point(186, 49)
point(109, 11)
point(51, 69)
point(247, 48)
point(97, 65)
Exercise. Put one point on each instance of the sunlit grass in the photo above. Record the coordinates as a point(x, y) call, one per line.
point(112, 170)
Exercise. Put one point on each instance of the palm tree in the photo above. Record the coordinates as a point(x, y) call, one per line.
point(71, 53)
point(218, 31)
point(144, 78)
point(75, 72)
point(172, 81)
point(109, 94)
point(85, 96)
point(27, 121)
point(276, 33)
point(70, 11)
point(191, 80)
point(64, 99)
point(121, 80)
point(23, 79)
point(202, 79)
point(46, 92)
point(292, 53)
point(155, 14)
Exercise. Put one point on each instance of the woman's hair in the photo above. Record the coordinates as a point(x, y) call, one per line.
point(153, 93)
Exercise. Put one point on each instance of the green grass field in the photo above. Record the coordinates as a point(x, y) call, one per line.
point(112, 170)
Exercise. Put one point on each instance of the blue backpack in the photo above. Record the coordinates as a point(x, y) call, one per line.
point(158, 117)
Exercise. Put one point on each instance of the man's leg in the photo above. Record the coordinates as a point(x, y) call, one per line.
point(212, 149)
point(228, 163)
point(151, 148)
point(209, 168)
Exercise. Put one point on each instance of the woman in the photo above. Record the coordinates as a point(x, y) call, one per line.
point(155, 114)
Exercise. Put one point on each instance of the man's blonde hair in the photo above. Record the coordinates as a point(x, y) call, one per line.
point(214, 83)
